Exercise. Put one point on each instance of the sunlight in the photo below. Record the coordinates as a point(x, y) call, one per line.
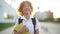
point(8, 1)
point(53, 5)
point(44, 5)
point(5, 15)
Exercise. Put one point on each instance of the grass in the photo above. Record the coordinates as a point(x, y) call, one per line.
point(5, 25)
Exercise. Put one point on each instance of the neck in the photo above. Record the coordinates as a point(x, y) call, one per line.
point(27, 16)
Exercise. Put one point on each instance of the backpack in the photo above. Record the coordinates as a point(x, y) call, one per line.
point(33, 21)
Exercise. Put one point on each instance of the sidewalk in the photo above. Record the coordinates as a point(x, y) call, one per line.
point(7, 31)
point(45, 29)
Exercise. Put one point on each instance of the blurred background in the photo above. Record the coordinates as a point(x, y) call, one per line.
point(46, 11)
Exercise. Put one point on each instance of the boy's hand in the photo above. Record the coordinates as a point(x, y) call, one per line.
point(25, 29)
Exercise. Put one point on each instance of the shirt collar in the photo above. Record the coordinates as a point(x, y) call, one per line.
point(22, 17)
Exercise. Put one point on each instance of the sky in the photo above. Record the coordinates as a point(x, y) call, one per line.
point(44, 5)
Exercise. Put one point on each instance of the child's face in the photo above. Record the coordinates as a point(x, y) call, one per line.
point(26, 9)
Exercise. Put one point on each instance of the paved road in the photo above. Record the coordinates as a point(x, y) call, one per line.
point(46, 28)
point(50, 28)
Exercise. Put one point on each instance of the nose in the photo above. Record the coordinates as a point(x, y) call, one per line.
point(26, 7)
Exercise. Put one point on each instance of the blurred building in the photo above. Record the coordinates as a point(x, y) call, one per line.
point(7, 8)
point(43, 15)
point(49, 14)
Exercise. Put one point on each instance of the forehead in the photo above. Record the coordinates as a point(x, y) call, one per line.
point(26, 4)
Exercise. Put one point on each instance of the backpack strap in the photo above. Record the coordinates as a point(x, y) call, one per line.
point(20, 20)
point(34, 23)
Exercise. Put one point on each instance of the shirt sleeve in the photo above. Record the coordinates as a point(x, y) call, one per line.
point(37, 24)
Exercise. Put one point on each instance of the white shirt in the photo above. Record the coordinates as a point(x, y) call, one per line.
point(29, 24)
